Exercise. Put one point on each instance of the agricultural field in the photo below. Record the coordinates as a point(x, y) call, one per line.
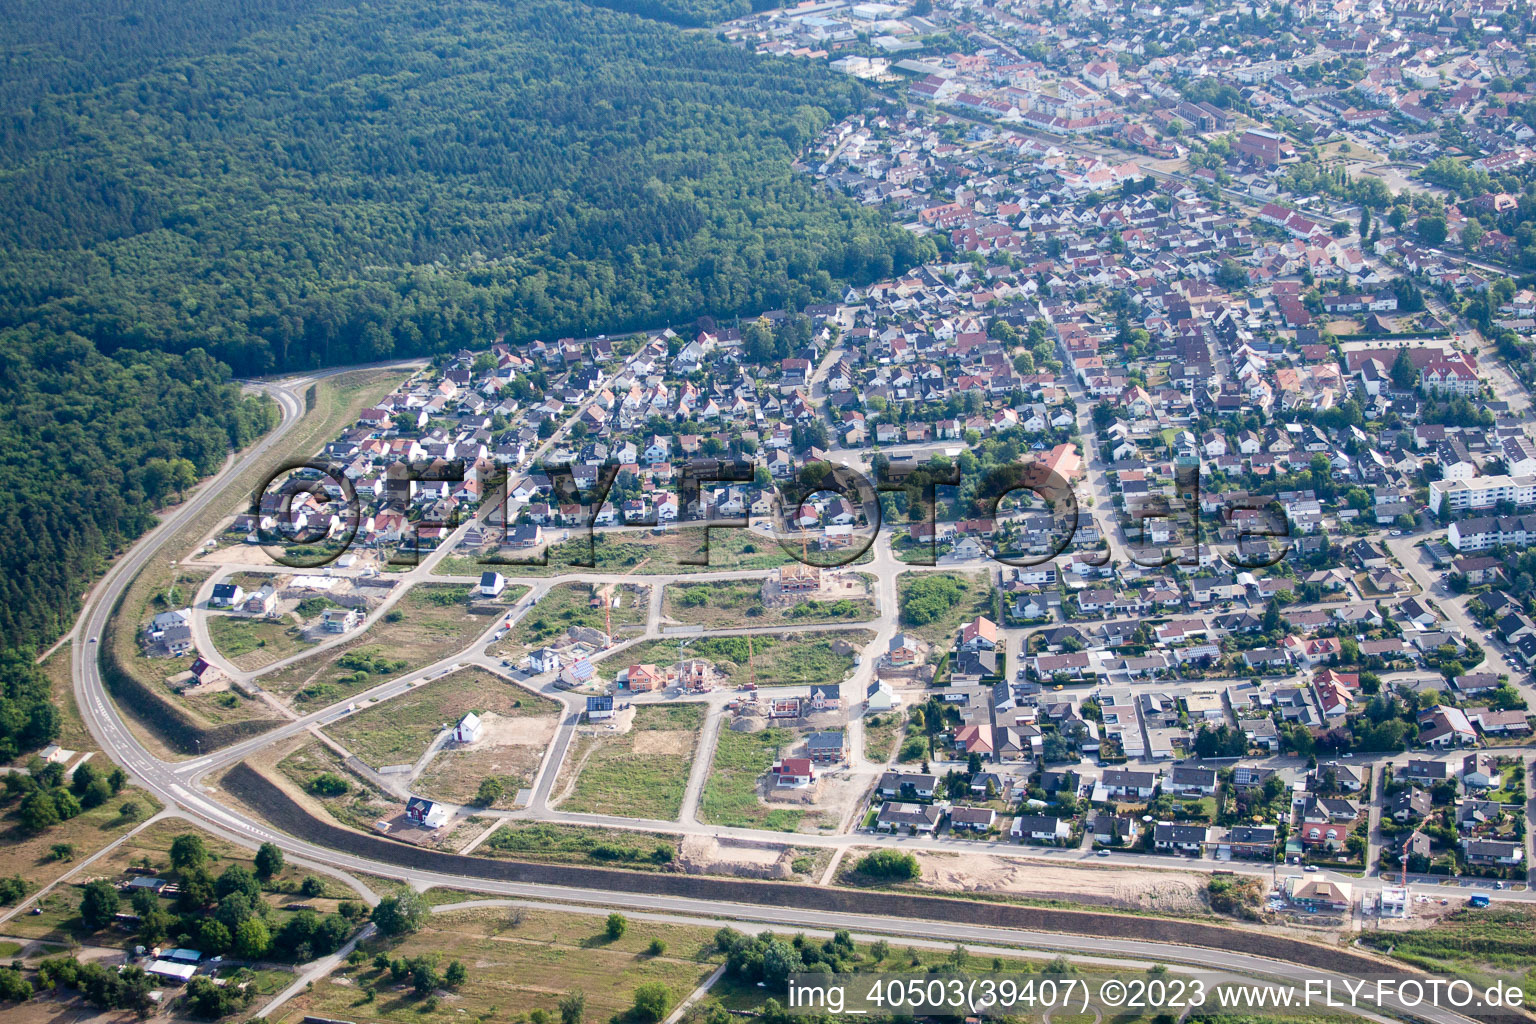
point(730, 794)
point(399, 730)
point(570, 604)
point(934, 605)
point(825, 657)
point(520, 961)
point(727, 603)
point(252, 643)
point(641, 773)
point(429, 623)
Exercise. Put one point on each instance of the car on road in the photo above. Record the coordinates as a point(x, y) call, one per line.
point(93, 639)
point(1102, 853)
point(1310, 868)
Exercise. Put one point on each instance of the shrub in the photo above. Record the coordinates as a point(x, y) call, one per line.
point(329, 784)
point(889, 866)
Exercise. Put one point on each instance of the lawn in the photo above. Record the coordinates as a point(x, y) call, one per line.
point(398, 731)
point(580, 844)
point(782, 660)
point(727, 603)
point(252, 643)
point(520, 960)
point(639, 774)
point(934, 605)
point(428, 624)
point(570, 604)
point(730, 794)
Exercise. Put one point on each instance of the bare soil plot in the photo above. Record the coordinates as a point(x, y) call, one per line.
point(398, 731)
point(706, 855)
point(641, 773)
point(428, 624)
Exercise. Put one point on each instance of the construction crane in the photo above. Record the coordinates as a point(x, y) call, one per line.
point(606, 594)
point(1403, 879)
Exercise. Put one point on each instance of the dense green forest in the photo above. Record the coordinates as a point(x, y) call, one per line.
point(188, 190)
point(693, 13)
point(91, 445)
point(356, 181)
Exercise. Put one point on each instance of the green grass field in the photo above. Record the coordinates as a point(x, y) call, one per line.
point(934, 605)
point(543, 841)
point(639, 774)
point(430, 622)
point(725, 603)
point(730, 794)
point(784, 660)
point(252, 643)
